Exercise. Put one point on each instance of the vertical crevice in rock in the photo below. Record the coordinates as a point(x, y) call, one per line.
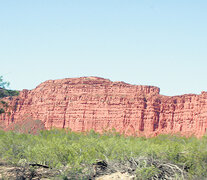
point(65, 111)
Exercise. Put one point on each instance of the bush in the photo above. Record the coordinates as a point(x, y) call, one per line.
point(3, 91)
point(173, 156)
point(6, 92)
point(2, 111)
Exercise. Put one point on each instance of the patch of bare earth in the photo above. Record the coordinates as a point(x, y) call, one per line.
point(116, 176)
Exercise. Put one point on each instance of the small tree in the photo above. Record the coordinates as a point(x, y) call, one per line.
point(3, 84)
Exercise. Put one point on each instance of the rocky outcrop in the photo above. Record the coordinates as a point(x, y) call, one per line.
point(86, 103)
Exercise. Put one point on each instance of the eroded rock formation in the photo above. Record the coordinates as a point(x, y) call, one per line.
point(86, 103)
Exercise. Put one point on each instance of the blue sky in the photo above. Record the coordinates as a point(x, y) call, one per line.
point(148, 42)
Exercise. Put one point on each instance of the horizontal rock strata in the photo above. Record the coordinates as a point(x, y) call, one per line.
point(86, 103)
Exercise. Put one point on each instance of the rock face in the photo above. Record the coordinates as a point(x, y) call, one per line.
point(86, 103)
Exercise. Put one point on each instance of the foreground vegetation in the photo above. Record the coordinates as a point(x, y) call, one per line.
point(183, 158)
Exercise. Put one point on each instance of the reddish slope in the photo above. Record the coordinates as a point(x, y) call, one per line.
point(86, 103)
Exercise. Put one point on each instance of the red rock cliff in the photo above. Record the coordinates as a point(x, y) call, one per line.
point(86, 103)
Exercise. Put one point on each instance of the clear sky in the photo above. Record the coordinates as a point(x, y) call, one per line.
point(148, 42)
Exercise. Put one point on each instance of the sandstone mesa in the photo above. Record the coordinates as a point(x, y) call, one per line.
point(86, 103)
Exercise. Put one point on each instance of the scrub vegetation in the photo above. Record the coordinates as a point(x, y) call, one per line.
point(5, 92)
point(85, 155)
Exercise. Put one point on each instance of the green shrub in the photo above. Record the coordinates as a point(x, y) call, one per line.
point(2, 111)
point(63, 148)
point(6, 92)
point(147, 172)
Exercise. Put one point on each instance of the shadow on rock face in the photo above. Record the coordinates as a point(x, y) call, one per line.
point(26, 125)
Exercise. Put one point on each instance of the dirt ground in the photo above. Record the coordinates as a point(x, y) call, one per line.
point(11, 172)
